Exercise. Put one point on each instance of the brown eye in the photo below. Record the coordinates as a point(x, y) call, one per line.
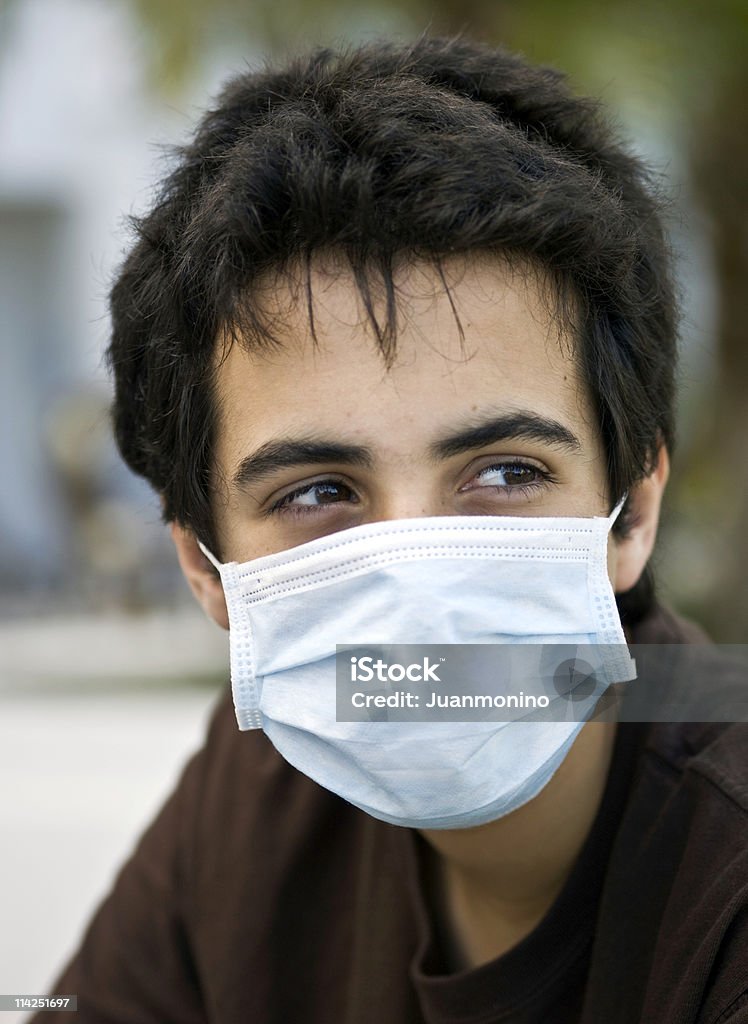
point(509, 474)
point(314, 495)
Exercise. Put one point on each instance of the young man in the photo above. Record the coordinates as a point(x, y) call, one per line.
point(393, 346)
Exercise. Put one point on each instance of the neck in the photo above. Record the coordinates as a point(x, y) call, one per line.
point(491, 885)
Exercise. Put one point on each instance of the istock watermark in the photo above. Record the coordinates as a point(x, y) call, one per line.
point(541, 682)
point(367, 669)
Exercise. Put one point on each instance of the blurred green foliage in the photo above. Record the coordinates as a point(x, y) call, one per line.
point(690, 45)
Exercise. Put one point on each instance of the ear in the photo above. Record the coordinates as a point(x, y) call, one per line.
point(200, 574)
point(645, 500)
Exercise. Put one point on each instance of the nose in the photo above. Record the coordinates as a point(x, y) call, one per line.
point(410, 506)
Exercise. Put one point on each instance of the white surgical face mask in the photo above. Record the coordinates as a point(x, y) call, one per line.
point(440, 580)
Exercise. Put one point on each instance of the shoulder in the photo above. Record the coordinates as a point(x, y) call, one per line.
point(702, 688)
point(249, 806)
point(683, 839)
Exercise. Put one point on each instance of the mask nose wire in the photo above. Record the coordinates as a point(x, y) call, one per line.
point(215, 562)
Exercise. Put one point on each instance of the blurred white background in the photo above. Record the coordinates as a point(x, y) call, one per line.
point(82, 775)
point(107, 670)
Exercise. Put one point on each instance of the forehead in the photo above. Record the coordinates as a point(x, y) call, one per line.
point(513, 350)
point(327, 292)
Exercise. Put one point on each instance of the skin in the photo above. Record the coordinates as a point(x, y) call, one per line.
point(491, 885)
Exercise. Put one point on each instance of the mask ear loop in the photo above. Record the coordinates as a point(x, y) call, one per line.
point(614, 514)
point(210, 556)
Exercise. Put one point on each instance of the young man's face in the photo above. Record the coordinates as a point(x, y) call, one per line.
point(315, 439)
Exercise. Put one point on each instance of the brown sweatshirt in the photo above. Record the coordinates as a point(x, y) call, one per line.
point(256, 897)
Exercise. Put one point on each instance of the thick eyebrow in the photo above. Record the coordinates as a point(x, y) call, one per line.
point(284, 453)
point(519, 426)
